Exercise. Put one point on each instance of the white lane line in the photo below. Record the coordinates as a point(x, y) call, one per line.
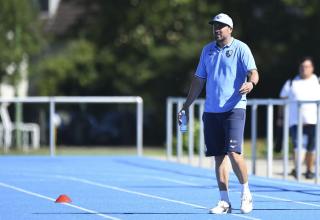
point(142, 194)
point(286, 200)
point(254, 194)
point(51, 199)
point(281, 182)
point(174, 181)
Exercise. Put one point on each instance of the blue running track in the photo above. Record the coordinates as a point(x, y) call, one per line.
point(127, 187)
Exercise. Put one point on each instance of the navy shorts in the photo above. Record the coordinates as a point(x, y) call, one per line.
point(309, 135)
point(223, 132)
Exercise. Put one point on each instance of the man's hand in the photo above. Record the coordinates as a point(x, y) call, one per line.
point(195, 90)
point(253, 79)
point(246, 88)
point(180, 114)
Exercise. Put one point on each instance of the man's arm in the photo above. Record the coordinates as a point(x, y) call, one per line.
point(195, 90)
point(253, 78)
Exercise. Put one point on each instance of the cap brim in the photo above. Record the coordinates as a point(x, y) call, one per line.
point(212, 22)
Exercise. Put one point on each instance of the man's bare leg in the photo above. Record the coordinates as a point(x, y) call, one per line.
point(310, 160)
point(240, 169)
point(222, 174)
point(303, 157)
point(310, 163)
point(239, 166)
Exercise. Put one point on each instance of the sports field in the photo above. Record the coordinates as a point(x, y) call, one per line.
point(129, 187)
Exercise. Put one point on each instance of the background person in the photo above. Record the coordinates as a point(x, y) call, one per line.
point(303, 87)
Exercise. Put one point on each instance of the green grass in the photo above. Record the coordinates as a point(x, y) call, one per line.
point(95, 151)
point(261, 149)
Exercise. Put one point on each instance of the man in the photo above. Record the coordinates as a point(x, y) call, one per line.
point(304, 87)
point(228, 69)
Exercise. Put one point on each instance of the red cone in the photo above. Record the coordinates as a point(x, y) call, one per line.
point(63, 199)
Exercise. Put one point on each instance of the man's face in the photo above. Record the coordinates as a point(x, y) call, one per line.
point(306, 69)
point(221, 31)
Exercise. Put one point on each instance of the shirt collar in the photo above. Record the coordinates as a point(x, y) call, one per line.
point(228, 45)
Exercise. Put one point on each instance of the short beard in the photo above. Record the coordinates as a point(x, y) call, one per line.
point(219, 39)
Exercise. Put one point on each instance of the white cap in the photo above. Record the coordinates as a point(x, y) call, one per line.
point(222, 18)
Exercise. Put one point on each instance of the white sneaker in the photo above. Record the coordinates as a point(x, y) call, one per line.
point(246, 203)
point(222, 207)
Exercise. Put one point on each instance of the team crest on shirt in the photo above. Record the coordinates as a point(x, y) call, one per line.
point(229, 53)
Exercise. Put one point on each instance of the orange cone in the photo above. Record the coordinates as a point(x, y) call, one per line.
point(63, 199)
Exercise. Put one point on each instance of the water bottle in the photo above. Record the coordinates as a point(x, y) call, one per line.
point(184, 123)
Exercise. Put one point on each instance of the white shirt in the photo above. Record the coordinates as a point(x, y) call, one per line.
point(300, 89)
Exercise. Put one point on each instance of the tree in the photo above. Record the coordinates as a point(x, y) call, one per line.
point(20, 36)
point(151, 48)
point(69, 72)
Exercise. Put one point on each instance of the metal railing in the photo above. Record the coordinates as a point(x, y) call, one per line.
point(254, 104)
point(84, 99)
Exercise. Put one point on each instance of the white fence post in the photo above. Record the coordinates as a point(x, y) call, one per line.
point(270, 139)
point(139, 126)
point(298, 156)
point(253, 137)
point(52, 128)
point(201, 135)
point(318, 144)
point(285, 141)
point(179, 135)
point(190, 134)
point(169, 128)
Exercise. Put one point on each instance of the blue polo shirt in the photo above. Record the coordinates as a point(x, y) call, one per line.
point(225, 70)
